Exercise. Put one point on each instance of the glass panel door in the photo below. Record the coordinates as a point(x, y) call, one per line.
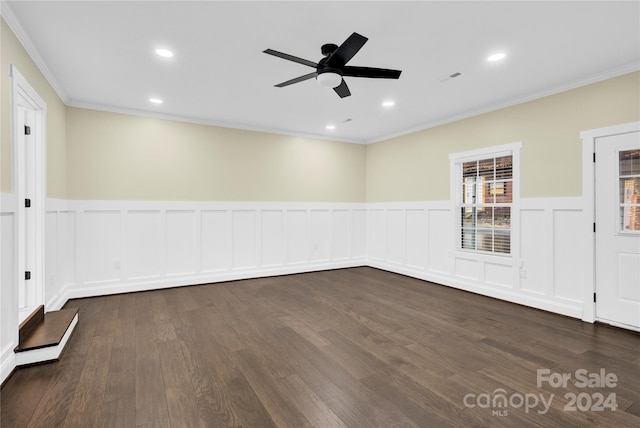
point(629, 194)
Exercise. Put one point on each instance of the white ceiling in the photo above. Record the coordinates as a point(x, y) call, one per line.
point(101, 55)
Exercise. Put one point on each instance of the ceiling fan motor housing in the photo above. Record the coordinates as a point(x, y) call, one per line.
point(328, 49)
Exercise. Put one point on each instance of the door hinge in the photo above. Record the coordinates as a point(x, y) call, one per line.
point(594, 297)
point(27, 203)
point(27, 130)
point(594, 158)
point(27, 275)
point(594, 228)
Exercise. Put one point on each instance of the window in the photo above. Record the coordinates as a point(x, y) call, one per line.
point(629, 173)
point(484, 193)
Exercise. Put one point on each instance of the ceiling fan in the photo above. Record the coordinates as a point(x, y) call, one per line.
point(331, 69)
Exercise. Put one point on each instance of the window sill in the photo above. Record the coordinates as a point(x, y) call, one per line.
point(502, 258)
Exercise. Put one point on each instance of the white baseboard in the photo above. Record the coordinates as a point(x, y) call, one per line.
point(569, 310)
point(109, 288)
point(7, 362)
point(57, 301)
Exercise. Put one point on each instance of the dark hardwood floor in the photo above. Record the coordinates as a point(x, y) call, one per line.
point(346, 348)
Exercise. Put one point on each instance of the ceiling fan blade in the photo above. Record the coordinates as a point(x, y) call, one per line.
point(342, 89)
point(347, 50)
point(297, 79)
point(377, 73)
point(291, 58)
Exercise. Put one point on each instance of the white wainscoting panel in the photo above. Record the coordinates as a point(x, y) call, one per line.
point(358, 233)
point(51, 251)
point(417, 243)
point(215, 226)
point(396, 236)
point(320, 235)
point(467, 267)
point(418, 239)
point(60, 253)
point(377, 234)
point(272, 237)
point(499, 274)
point(59, 256)
point(245, 239)
point(297, 236)
point(534, 252)
point(182, 242)
point(340, 235)
point(440, 245)
point(106, 247)
point(8, 294)
point(66, 249)
point(142, 243)
point(100, 241)
point(568, 261)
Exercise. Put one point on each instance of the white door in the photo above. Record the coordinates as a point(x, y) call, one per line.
point(28, 296)
point(29, 182)
point(617, 175)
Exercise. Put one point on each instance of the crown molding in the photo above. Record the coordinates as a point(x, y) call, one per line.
point(610, 74)
point(9, 17)
point(207, 122)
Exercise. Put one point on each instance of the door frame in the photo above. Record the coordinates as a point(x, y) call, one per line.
point(23, 95)
point(588, 139)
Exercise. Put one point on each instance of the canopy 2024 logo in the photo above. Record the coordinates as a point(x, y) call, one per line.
point(590, 399)
point(583, 379)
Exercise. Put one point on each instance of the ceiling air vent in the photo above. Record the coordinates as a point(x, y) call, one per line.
point(451, 76)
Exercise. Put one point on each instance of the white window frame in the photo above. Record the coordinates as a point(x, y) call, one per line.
point(622, 204)
point(456, 161)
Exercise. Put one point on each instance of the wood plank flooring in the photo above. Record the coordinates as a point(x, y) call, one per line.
point(345, 348)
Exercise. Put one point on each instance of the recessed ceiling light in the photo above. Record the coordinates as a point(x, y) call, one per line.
point(497, 57)
point(330, 127)
point(165, 53)
point(155, 100)
point(388, 104)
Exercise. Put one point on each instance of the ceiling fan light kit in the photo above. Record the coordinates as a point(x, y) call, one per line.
point(329, 79)
point(331, 69)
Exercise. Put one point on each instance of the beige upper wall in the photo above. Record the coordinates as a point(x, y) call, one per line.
point(117, 156)
point(12, 52)
point(415, 167)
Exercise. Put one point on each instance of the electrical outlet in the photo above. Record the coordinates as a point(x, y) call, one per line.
point(523, 272)
point(116, 264)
